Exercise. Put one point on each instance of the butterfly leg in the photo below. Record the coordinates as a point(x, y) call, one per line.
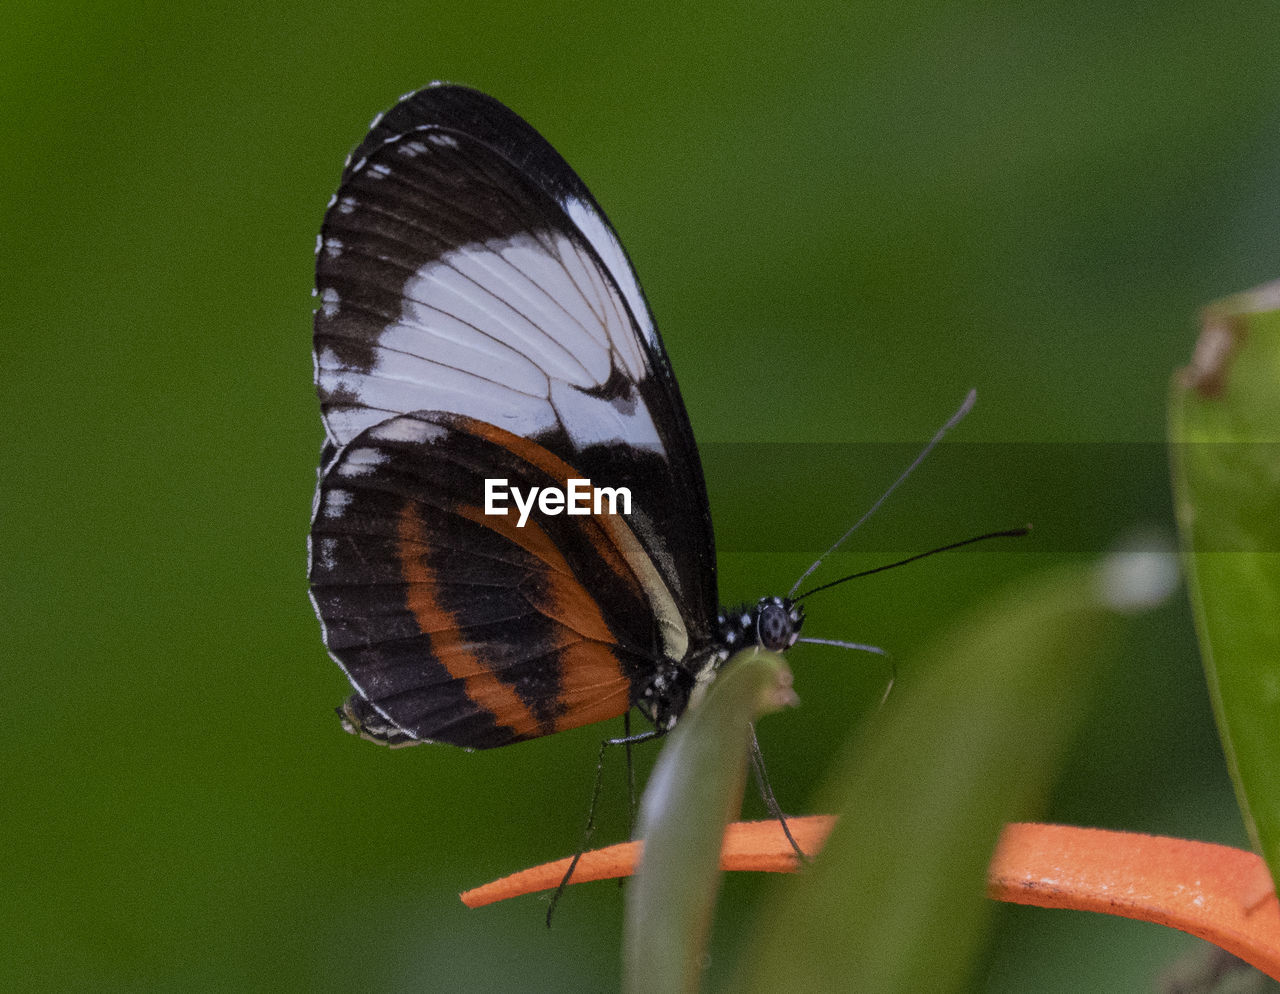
point(631, 776)
point(766, 792)
point(627, 740)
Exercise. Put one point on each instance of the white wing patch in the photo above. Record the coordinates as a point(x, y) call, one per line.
point(336, 502)
point(612, 254)
point(329, 301)
point(409, 430)
point(361, 461)
point(520, 332)
point(514, 293)
point(594, 420)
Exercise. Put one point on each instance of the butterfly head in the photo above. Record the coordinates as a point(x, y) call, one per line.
point(773, 623)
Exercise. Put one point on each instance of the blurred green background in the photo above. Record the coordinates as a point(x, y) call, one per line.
point(844, 217)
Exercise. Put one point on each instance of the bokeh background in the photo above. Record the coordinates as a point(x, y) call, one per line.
point(844, 216)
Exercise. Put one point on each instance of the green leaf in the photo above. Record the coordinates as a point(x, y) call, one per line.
point(694, 791)
point(1224, 429)
point(970, 739)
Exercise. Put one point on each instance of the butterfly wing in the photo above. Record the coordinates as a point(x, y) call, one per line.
point(464, 268)
point(466, 627)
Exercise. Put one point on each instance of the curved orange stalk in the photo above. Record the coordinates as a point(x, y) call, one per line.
point(1221, 894)
point(748, 845)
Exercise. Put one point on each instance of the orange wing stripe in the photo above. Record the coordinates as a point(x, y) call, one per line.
point(602, 538)
point(592, 687)
point(483, 687)
point(531, 537)
point(558, 595)
point(592, 684)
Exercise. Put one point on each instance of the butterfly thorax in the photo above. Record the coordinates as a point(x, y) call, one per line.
point(772, 623)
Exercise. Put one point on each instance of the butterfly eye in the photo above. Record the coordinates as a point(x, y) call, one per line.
point(773, 629)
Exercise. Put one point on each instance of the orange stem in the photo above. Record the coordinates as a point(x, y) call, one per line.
point(748, 845)
point(1221, 894)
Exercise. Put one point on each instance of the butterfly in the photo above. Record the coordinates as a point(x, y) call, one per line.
point(479, 321)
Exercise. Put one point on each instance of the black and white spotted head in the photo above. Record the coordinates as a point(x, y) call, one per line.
point(773, 623)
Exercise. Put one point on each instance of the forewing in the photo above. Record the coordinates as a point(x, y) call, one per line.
point(464, 267)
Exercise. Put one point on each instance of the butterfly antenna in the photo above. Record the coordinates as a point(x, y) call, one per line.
point(862, 647)
point(1021, 532)
point(954, 420)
